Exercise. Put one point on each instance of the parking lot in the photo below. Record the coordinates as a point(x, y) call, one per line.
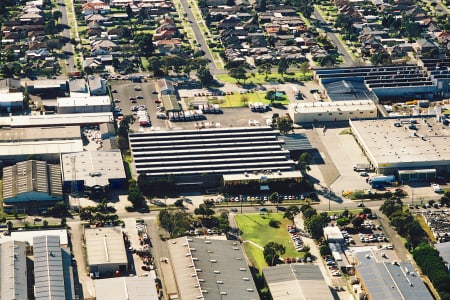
point(123, 90)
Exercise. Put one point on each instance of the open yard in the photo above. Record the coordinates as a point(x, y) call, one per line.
point(255, 228)
point(237, 100)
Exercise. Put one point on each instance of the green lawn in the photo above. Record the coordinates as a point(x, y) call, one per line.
point(257, 78)
point(255, 227)
point(236, 99)
point(255, 255)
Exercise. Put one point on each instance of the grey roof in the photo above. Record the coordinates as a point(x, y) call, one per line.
point(385, 281)
point(96, 82)
point(78, 85)
point(220, 150)
point(48, 268)
point(398, 146)
point(13, 270)
point(344, 90)
point(216, 267)
point(296, 142)
point(68, 273)
point(105, 246)
point(130, 288)
point(93, 167)
point(296, 282)
point(31, 176)
point(444, 250)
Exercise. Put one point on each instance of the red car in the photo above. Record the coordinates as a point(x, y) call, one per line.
point(157, 101)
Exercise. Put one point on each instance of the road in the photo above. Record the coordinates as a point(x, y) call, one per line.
point(68, 47)
point(199, 37)
point(348, 59)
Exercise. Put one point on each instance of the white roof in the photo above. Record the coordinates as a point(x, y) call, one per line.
point(333, 106)
point(93, 167)
point(56, 119)
point(105, 246)
point(81, 100)
point(131, 288)
point(28, 236)
point(10, 97)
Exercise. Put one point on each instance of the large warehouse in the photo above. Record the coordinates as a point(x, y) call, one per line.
point(211, 269)
point(32, 180)
point(93, 170)
point(13, 270)
point(311, 112)
point(16, 144)
point(105, 250)
point(406, 145)
point(189, 155)
point(384, 279)
point(296, 281)
point(83, 103)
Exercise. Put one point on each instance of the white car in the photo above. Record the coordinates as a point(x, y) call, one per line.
point(436, 188)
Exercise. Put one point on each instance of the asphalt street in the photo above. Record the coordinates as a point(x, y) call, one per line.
point(199, 37)
point(68, 47)
point(348, 59)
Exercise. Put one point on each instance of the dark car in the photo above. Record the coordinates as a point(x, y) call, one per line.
point(114, 91)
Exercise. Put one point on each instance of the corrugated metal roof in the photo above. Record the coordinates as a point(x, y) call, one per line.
point(13, 270)
point(130, 288)
point(105, 245)
point(48, 269)
point(295, 281)
point(31, 176)
point(219, 266)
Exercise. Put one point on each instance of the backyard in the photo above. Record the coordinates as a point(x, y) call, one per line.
point(256, 230)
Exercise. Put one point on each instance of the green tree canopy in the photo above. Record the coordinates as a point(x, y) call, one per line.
point(272, 252)
point(291, 212)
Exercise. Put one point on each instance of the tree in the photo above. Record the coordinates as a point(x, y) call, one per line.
point(291, 212)
point(262, 6)
point(9, 225)
point(136, 197)
point(272, 252)
point(283, 65)
point(204, 75)
point(304, 68)
point(325, 250)
point(389, 207)
point(57, 15)
point(304, 160)
point(204, 211)
point(144, 41)
point(238, 73)
point(309, 212)
point(343, 221)
point(357, 222)
point(285, 124)
point(244, 100)
point(328, 61)
point(129, 11)
point(315, 226)
point(179, 203)
point(265, 68)
point(275, 199)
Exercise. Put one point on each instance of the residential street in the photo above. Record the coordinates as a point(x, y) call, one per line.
point(348, 59)
point(68, 48)
point(200, 38)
